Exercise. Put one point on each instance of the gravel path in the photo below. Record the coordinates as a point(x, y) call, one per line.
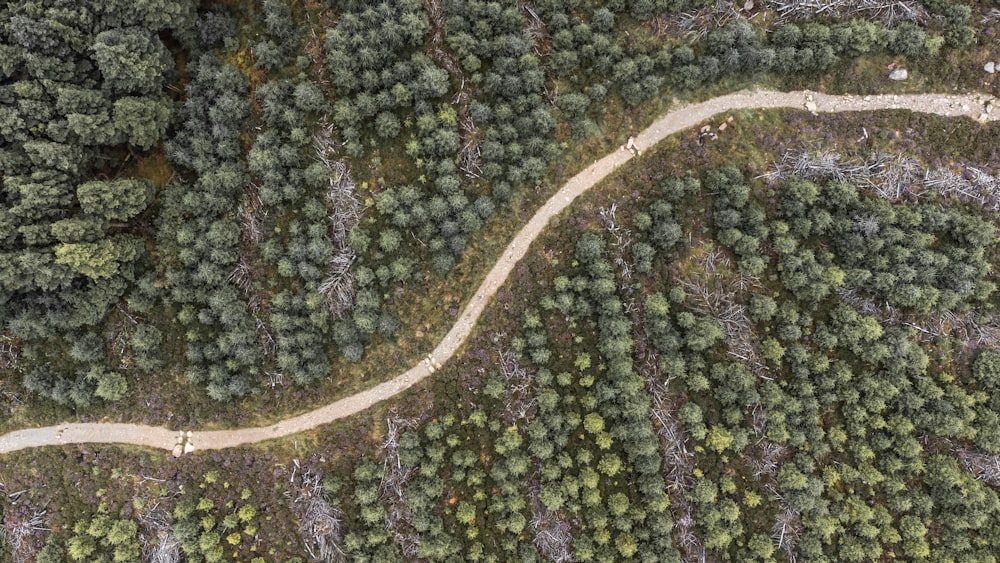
point(677, 119)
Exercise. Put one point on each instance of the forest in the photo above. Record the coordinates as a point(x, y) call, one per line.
point(778, 344)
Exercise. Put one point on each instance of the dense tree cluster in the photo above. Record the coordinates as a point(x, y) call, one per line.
point(623, 407)
point(498, 134)
point(98, 538)
point(852, 476)
point(587, 52)
point(299, 243)
point(369, 540)
point(458, 103)
point(210, 523)
point(199, 234)
point(79, 85)
point(280, 46)
point(378, 70)
point(492, 43)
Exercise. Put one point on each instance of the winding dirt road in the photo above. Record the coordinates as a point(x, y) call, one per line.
point(677, 119)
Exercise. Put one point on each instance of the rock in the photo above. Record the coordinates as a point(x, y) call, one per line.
point(811, 106)
point(748, 5)
point(723, 127)
point(899, 74)
point(990, 67)
point(178, 450)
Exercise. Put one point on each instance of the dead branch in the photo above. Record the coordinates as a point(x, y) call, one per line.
point(787, 529)
point(697, 23)
point(535, 27)
point(18, 532)
point(684, 530)
point(10, 351)
point(983, 466)
point(519, 396)
point(252, 213)
point(770, 460)
point(715, 293)
point(396, 477)
point(436, 15)
point(552, 532)
point(677, 459)
point(320, 522)
point(889, 12)
point(123, 328)
point(338, 288)
point(156, 535)
point(470, 156)
point(621, 242)
point(889, 176)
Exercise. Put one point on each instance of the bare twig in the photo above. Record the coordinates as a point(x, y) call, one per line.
point(889, 176)
point(552, 531)
point(10, 351)
point(519, 399)
point(787, 529)
point(677, 458)
point(396, 477)
point(21, 522)
point(889, 12)
point(320, 522)
point(715, 290)
point(696, 23)
point(159, 544)
point(983, 466)
point(338, 287)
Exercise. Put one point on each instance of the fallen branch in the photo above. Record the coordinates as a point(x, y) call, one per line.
point(786, 531)
point(320, 522)
point(552, 532)
point(338, 287)
point(396, 477)
point(983, 466)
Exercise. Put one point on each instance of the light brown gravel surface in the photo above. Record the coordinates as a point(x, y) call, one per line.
point(677, 119)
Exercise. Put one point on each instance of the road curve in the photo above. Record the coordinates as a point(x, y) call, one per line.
point(677, 119)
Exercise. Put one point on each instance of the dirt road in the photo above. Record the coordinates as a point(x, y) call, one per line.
point(677, 119)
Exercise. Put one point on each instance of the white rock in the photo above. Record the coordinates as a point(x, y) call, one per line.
point(899, 74)
point(990, 67)
point(811, 106)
